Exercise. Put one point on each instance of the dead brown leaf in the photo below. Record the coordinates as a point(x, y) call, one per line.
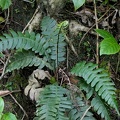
point(4, 92)
point(33, 88)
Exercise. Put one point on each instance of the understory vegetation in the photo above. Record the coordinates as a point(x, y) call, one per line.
point(61, 65)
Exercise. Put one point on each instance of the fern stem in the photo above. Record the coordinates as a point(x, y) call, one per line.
point(118, 63)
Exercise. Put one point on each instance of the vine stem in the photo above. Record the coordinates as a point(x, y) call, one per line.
point(97, 37)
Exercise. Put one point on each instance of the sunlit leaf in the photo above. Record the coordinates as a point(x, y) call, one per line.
point(1, 19)
point(103, 33)
point(78, 3)
point(8, 116)
point(1, 105)
point(4, 4)
point(109, 46)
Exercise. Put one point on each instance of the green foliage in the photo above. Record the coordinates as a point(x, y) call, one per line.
point(51, 32)
point(4, 4)
point(1, 105)
point(50, 46)
point(101, 108)
point(78, 3)
point(48, 50)
point(96, 81)
point(5, 116)
point(8, 116)
point(109, 44)
point(26, 58)
point(78, 110)
point(97, 103)
point(23, 41)
point(55, 103)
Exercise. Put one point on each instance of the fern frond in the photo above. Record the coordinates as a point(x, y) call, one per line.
point(26, 58)
point(24, 41)
point(53, 103)
point(97, 102)
point(99, 80)
point(99, 106)
point(57, 43)
point(78, 110)
point(86, 87)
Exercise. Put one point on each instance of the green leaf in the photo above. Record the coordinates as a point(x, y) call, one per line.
point(109, 46)
point(1, 105)
point(104, 33)
point(101, 108)
point(78, 3)
point(25, 58)
point(1, 55)
point(4, 4)
point(9, 116)
point(0, 116)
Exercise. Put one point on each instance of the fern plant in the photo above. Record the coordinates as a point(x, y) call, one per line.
point(55, 103)
point(96, 82)
point(50, 46)
point(68, 104)
point(24, 58)
point(52, 32)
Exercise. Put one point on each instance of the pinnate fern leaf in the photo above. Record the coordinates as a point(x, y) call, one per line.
point(53, 103)
point(78, 110)
point(24, 41)
point(97, 103)
point(50, 44)
point(52, 32)
point(86, 87)
point(99, 106)
point(26, 58)
point(98, 80)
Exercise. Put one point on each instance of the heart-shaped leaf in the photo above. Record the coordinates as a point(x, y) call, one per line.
point(109, 46)
point(9, 116)
point(78, 3)
point(4, 4)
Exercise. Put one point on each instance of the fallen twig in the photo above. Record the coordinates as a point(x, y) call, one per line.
point(5, 65)
point(19, 105)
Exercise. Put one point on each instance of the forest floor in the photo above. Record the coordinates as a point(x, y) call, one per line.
point(20, 12)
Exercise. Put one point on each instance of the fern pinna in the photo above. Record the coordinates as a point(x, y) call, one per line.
point(98, 83)
point(50, 45)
